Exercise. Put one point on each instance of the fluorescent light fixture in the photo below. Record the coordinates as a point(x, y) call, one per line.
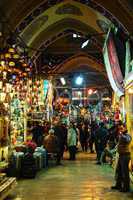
point(95, 91)
point(76, 35)
point(85, 44)
point(63, 81)
point(79, 80)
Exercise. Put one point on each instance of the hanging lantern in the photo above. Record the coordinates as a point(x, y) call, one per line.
point(2, 56)
point(28, 70)
point(30, 82)
point(2, 63)
point(2, 96)
point(11, 50)
point(7, 55)
point(8, 87)
point(11, 64)
point(1, 85)
point(9, 70)
point(37, 82)
point(24, 74)
point(4, 74)
point(16, 56)
point(24, 65)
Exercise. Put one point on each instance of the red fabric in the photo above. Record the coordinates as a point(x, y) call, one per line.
point(31, 144)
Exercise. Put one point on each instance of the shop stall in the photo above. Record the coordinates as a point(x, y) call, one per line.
point(6, 183)
point(13, 73)
point(129, 102)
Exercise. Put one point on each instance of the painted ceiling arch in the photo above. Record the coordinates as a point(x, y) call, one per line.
point(77, 62)
point(54, 15)
point(41, 40)
point(16, 11)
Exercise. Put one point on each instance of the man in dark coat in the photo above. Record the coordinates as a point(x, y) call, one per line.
point(101, 136)
point(122, 169)
point(59, 133)
point(84, 136)
point(37, 133)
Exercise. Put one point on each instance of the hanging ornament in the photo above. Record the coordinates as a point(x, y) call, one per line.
point(4, 74)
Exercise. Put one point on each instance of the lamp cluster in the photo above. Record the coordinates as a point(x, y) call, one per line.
point(13, 62)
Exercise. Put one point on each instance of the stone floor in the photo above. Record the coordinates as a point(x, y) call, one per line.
point(75, 180)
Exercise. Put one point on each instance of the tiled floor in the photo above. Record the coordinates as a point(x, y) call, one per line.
point(75, 180)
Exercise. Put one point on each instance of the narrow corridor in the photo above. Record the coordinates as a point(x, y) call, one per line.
point(79, 180)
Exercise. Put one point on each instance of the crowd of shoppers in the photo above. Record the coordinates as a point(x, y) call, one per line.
point(102, 138)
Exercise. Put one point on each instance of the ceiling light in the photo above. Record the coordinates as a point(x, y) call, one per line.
point(90, 91)
point(63, 81)
point(79, 80)
point(84, 44)
point(76, 35)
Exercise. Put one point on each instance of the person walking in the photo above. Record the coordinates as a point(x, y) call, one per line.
point(59, 133)
point(71, 142)
point(84, 136)
point(122, 169)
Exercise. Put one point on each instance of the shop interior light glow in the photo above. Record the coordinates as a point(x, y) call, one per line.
point(130, 90)
point(90, 91)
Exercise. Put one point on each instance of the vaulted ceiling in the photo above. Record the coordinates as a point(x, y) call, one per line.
point(46, 28)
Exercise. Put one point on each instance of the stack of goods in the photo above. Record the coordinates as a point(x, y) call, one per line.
point(27, 163)
point(15, 163)
point(28, 166)
point(40, 156)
